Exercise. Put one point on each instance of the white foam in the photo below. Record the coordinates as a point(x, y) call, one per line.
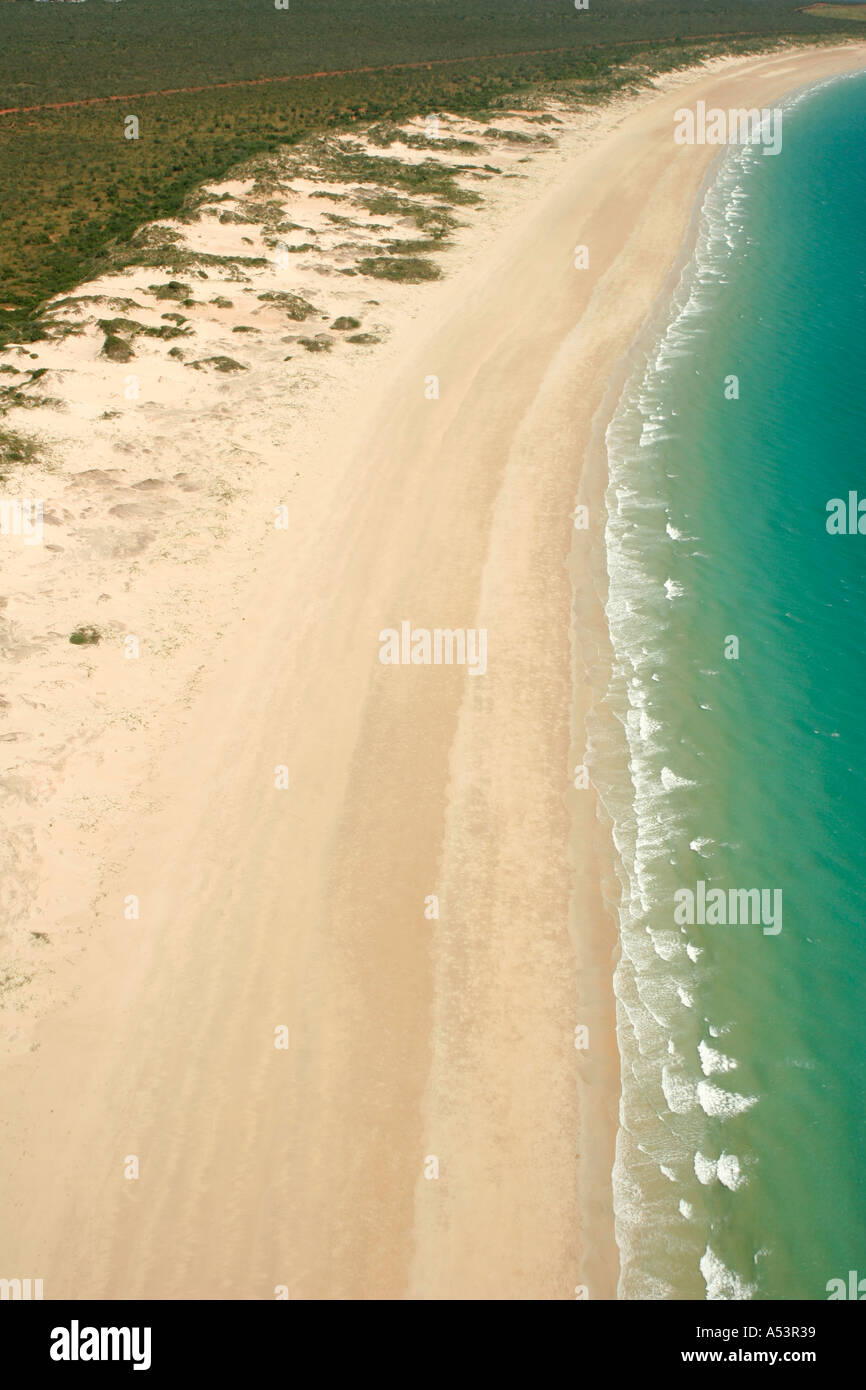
point(648, 726)
point(721, 1282)
point(679, 1092)
point(730, 1173)
point(725, 1169)
point(670, 780)
point(705, 1169)
point(712, 1061)
point(714, 1101)
point(653, 978)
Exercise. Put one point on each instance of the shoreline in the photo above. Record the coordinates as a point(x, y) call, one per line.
point(407, 1041)
point(590, 673)
point(594, 677)
point(656, 1145)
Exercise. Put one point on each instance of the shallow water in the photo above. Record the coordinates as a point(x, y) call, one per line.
point(740, 1163)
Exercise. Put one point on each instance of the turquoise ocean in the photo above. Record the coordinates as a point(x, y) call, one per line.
point(741, 1156)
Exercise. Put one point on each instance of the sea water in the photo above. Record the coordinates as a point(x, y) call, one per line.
point(738, 695)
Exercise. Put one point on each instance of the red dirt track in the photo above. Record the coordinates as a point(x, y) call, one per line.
point(348, 72)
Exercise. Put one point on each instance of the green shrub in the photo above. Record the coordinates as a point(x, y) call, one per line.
point(86, 636)
point(410, 270)
point(219, 364)
point(116, 349)
point(294, 305)
point(16, 448)
point(172, 290)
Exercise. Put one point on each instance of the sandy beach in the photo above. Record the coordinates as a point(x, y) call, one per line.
point(298, 946)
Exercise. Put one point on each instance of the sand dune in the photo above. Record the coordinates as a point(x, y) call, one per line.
point(430, 1131)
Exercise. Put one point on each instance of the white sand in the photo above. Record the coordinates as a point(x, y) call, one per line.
point(409, 1038)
